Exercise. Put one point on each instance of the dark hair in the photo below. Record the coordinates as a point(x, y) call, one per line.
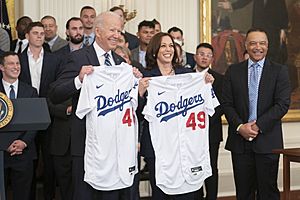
point(86, 8)
point(206, 45)
point(153, 48)
point(175, 29)
point(113, 9)
point(146, 23)
point(33, 24)
point(125, 37)
point(6, 54)
point(49, 17)
point(72, 19)
point(22, 18)
point(254, 29)
point(155, 21)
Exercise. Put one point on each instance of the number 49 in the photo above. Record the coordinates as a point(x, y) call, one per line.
point(192, 122)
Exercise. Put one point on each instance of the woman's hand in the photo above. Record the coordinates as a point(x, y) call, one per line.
point(209, 78)
point(143, 85)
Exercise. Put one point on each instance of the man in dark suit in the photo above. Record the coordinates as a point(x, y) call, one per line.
point(20, 151)
point(256, 95)
point(19, 44)
point(39, 69)
point(272, 16)
point(188, 58)
point(68, 85)
point(61, 113)
point(204, 58)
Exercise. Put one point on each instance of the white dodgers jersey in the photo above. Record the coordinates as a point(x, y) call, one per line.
point(177, 110)
point(108, 99)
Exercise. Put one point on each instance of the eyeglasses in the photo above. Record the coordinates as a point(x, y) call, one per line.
point(202, 54)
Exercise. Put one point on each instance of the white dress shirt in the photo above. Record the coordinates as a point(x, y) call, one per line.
point(35, 68)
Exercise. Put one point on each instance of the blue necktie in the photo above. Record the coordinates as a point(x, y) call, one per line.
point(107, 61)
point(12, 93)
point(253, 91)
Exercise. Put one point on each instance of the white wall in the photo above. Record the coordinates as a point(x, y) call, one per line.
point(183, 14)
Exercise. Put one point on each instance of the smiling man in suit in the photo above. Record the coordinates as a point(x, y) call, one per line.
point(18, 158)
point(256, 95)
point(108, 27)
point(54, 41)
point(39, 69)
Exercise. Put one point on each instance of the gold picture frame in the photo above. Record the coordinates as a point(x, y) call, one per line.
point(205, 15)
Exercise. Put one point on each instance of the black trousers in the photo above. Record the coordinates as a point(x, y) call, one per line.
point(255, 175)
point(157, 193)
point(63, 175)
point(19, 172)
point(211, 183)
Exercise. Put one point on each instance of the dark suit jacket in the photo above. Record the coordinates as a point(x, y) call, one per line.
point(273, 103)
point(24, 91)
point(64, 88)
point(49, 73)
point(190, 59)
point(59, 43)
point(215, 122)
point(132, 40)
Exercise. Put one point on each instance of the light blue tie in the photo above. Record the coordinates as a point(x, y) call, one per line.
point(107, 61)
point(253, 91)
point(12, 94)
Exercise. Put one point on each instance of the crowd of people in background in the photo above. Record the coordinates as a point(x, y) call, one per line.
point(39, 63)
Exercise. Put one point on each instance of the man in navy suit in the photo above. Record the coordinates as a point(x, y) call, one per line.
point(254, 113)
point(20, 151)
point(108, 27)
point(39, 69)
point(60, 130)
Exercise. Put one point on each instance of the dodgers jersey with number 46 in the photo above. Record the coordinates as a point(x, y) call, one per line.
point(177, 110)
point(108, 99)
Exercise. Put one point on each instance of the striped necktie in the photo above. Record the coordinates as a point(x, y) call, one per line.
point(12, 94)
point(253, 91)
point(107, 61)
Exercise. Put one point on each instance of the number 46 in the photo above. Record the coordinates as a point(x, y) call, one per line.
point(192, 122)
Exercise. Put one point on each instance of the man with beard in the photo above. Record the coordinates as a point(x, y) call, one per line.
point(60, 131)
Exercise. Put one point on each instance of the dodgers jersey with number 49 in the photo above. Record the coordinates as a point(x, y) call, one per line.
point(177, 110)
point(108, 99)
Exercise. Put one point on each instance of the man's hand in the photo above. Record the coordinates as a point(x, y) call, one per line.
point(249, 130)
point(17, 147)
point(209, 78)
point(86, 69)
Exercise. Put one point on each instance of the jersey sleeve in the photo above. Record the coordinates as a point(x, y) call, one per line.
point(134, 93)
point(84, 105)
point(211, 100)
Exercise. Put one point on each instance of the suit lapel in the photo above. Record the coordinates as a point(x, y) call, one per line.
point(91, 55)
point(118, 60)
point(2, 88)
point(25, 71)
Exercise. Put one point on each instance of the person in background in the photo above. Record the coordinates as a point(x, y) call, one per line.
point(157, 26)
point(133, 41)
point(87, 16)
point(19, 44)
point(188, 58)
point(4, 40)
point(52, 39)
point(145, 33)
point(256, 96)
point(204, 57)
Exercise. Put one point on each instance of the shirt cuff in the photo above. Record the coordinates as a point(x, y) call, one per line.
point(238, 128)
point(77, 83)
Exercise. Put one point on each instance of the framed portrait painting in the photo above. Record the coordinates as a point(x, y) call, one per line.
point(224, 24)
